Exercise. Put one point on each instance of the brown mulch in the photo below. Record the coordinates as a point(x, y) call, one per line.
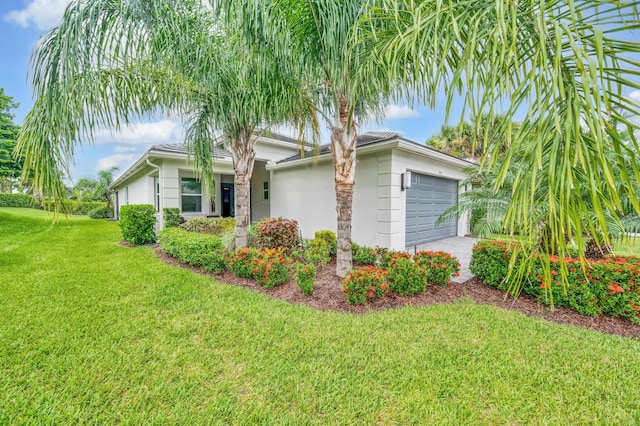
point(327, 296)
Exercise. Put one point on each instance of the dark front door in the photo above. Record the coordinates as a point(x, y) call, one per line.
point(228, 203)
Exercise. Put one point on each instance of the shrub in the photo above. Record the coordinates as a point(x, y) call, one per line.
point(329, 238)
point(274, 233)
point(240, 262)
point(210, 225)
point(389, 255)
point(17, 200)
point(405, 277)
point(194, 249)
point(305, 277)
point(609, 286)
point(137, 223)
point(365, 284)
point(271, 268)
point(439, 266)
point(101, 213)
point(363, 255)
point(75, 207)
point(319, 252)
point(171, 216)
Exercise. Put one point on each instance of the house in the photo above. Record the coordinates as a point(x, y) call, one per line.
point(402, 187)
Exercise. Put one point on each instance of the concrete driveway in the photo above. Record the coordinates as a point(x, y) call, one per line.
point(459, 247)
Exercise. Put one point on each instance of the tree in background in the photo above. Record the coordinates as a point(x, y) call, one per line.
point(470, 141)
point(92, 189)
point(10, 166)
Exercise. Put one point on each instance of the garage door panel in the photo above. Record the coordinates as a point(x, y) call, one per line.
point(427, 199)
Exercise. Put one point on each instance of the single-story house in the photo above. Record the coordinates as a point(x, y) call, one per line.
point(402, 187)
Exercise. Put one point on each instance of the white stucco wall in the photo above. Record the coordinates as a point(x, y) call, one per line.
point(307, 194)
point(259, 206)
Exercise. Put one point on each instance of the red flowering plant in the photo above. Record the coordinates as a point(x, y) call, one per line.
point(405, 277)
point(365, 284)
point(241, 262)
point(608, 286)
point(439, 266)
point(271, 268)
point(390, 255)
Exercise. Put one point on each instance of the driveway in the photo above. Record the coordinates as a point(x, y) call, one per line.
point(459, 247)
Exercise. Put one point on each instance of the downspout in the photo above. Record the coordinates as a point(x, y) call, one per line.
point(160, 203)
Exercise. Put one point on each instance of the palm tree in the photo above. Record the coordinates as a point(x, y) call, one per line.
point(317, 36)
point(561, 63)
point(111, 62)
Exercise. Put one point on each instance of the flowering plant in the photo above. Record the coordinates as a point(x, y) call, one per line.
point(365, 284)
point(405, 277)
point(439, 266)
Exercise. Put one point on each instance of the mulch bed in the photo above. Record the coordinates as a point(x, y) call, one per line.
point(327, 296)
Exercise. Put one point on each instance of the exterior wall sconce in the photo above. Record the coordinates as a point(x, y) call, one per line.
point(406, 181)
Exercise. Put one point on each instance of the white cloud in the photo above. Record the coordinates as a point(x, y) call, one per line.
point(635, 96)
point(44, 14)
point(396, 112)
point(122, 161)
point(160, 132)
point(122, 149)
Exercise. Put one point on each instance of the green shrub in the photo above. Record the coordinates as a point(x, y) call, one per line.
point(101, 213)
point(171, 217)
point(205, 251)
point(610, 286)
point(305, 277)
point(405, 277)
point(329, 238)
point(17, 200)
point(137, 223)
point(363, 255)
point(210, 225)
point(439, 266)
point(318, 252)
point(240, 262)
point(389, 255)
point(76, 207)
point(365, 284)
point(279, 232)
point(271, 268)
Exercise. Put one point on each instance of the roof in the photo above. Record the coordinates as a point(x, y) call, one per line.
point(362, 140)
point(178, 148)
point(371, 138)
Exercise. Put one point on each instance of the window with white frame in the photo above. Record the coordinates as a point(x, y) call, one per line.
point(191, 194)
point(156, 186)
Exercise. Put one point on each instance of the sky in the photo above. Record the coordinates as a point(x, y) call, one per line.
point(23, 22)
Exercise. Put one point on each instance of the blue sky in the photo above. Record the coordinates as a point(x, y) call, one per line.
point(22, 22)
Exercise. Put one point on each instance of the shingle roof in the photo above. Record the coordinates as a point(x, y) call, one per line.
point(178, 148)
point(364, 139)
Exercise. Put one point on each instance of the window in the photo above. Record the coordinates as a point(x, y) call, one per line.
point(156, 184)
point(126, 195)
point(191, 194)
point(265, 190)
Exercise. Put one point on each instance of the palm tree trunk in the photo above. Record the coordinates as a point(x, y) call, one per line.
point(243, 160)
point(343, 151)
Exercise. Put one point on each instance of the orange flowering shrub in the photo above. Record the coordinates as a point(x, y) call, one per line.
point(365, 284)
point(271, 268)
point(241, 262)
point(610, 286)
point(439, 266)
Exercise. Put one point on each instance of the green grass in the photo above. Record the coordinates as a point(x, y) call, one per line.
point(93, 332)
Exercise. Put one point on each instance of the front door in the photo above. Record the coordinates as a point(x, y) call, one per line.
point(228, 203)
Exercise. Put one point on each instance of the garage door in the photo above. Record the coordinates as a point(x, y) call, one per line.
point(427, 199)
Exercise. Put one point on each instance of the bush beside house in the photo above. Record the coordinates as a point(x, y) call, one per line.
point(137, 223)
point(607, 286)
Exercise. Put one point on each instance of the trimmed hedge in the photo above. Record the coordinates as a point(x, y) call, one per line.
point(205, 251)
point(137, 223)
point(17, 200)
point(171, 216)
point(101, 213)
point(76, 207)
point(607, 286)
point(210, 225)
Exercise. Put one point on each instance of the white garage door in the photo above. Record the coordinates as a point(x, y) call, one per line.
point(427, 199)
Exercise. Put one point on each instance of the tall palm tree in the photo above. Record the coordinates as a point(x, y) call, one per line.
point(317, 35)
point(561, 63)
point(111, 62)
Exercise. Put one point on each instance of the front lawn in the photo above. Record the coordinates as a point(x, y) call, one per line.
point(93, 332)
